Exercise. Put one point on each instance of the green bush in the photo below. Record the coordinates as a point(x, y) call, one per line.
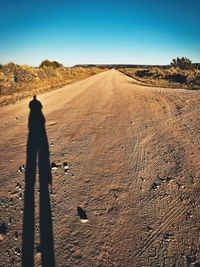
point(182, 63)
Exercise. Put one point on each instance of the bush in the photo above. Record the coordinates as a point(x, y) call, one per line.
point(177, 78)
point(48, 63)
point(182, 63)
point(143, 73)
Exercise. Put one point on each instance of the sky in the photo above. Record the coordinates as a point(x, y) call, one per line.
point(99, 31)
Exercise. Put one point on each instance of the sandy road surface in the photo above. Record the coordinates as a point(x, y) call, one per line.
point(133, 162)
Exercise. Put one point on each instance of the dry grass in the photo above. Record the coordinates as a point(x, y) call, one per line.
point(18, 82)
point(165, 77)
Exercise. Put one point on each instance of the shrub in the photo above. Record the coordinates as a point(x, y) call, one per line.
point(182, 63)
point(48, 63)
point(177, 78)
point(143, 73)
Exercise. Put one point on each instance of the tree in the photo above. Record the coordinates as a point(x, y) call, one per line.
point(183, 63)
point(48, 63)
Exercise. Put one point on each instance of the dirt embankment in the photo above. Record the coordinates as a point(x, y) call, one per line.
point(18, 82)
point(165, 77)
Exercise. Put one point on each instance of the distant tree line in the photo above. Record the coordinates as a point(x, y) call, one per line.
point(182, 63)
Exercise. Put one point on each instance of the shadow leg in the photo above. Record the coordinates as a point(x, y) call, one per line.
point(28, 227)
point(46, 229)
point(29, 205)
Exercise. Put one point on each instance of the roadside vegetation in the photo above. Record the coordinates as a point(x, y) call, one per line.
point(48, 63)
point(21, 81)
point(181, 73)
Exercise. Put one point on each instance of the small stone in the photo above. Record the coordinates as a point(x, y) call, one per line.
point(21, 168)
point(16, 235)
point(17, 251)
point(84, 220)
point(149, 229)
point(154, 186)
point(66, 167)
point(167, 236)
point(54, 166)
point(18, 186)
point(82, 214)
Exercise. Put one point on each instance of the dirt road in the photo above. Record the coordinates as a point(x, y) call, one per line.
point(126, 162)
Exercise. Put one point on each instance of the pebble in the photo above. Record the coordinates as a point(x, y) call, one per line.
point(17, 251)
point(54, 166)
point(16, 235)
point(21, 168)
point(154, 186)
point(84, 220)
point(18, 186)
point(66, 167)
point(82, 215)
point(149, 229)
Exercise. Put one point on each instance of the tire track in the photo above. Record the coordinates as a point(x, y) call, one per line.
point(173, 214)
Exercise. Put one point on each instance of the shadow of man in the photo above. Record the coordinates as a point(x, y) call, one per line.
point(37, 155)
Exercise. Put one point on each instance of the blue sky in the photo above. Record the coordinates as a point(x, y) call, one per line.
point(102, 31)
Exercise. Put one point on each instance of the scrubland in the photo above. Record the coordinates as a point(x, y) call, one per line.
point(165, 77)
point(21, 81)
